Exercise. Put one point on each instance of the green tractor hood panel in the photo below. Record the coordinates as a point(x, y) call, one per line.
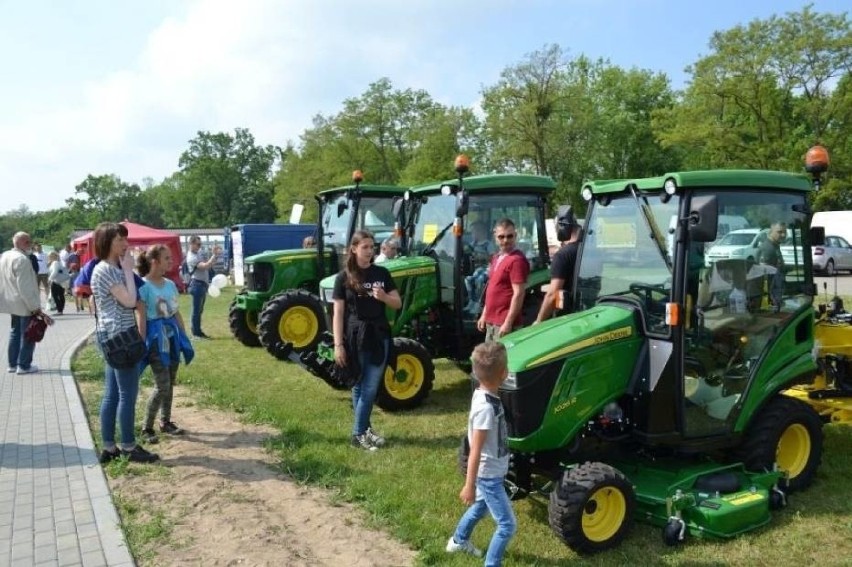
point(549, 341)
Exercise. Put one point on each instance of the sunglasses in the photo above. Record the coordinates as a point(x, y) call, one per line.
point(505, 237)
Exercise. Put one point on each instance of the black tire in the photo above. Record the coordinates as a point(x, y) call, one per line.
point(407, 383)
point(592, 507)
point(243, 325)
point(829, 268)
point(671, 533)
point(291, 321)
point(789, 432)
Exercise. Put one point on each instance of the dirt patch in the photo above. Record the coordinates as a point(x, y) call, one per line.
point(229, 507)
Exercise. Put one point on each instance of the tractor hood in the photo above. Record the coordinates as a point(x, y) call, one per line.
point(400, 268)
point(554, 339)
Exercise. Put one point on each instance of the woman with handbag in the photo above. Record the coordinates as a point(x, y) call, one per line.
point(114, 292)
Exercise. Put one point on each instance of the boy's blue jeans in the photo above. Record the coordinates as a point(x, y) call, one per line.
point(490, 497)
point(20, 350)
point(364, 392)
point(120, 390)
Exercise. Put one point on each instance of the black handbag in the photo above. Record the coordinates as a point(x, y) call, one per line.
point(124, 350)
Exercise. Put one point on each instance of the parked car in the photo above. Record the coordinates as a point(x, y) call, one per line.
point(741, 243)
point(833, 256)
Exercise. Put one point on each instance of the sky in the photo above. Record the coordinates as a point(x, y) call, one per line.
point(104, 87)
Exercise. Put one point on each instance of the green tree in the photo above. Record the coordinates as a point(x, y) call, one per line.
point(225, 179)
point(765, 93)
point(104, 197)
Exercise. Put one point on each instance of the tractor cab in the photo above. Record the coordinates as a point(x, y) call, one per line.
point(453, 223)
point(280, 309)
point(669, 375)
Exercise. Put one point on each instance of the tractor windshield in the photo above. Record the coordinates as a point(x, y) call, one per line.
point(374, 214)
point(624, 251)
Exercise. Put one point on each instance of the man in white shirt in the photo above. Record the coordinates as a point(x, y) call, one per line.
point(41, 256)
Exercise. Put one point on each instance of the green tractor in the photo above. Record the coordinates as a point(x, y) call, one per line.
point(440, 302)
point(279, 308)
point(661, 397)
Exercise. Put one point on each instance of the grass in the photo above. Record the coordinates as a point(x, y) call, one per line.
point(411, 487)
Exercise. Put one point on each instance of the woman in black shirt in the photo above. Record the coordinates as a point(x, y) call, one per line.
point(362, 291)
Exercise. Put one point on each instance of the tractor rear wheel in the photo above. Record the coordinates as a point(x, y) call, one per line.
point(243, 325)
point(293, 320)
point(788, 432)
point(408, 384)
point(591, 508)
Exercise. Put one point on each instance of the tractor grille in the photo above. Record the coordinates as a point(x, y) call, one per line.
point(525, 406)
point(259, 277)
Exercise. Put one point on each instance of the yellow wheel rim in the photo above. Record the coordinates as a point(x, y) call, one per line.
point(794, 450)
point(407, 381)
point(298, 325)
point(604, 513)
point(251, 321)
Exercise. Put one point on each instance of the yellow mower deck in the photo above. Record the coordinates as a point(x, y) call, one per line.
point(829, 338)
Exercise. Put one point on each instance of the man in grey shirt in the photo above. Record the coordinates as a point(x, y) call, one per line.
point(199, 265)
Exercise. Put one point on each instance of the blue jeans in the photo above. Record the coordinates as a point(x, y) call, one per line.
point(198, 291)
point(20, 349)
point(121, 386)
point(364, 392)
point(490, 497)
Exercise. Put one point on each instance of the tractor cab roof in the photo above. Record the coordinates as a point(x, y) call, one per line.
point(734, 179)
point(491, 183)
point(364, 188)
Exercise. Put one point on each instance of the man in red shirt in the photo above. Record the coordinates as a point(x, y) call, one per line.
point(507, 280)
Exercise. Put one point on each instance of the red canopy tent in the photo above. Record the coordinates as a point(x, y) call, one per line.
point(138, 236)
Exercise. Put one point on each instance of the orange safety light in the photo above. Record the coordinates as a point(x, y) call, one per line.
point(457, 227)
point(357, 176)
point(397, 230)
point(462, 163)
point(672, 314)
point(817, 160)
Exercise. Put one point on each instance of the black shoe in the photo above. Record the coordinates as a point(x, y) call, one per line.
point(200, 336)
point(170, 427)
point(107, 456)
point(150, 436)
point(140, 455)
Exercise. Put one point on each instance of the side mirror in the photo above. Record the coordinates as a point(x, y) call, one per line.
point(816, 235)
point(461, 203)
point(703, 218)
point(396, 208)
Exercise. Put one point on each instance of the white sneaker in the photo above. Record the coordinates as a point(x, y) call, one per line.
point(374, 438)
point(467, 547)
point(33, 369)
point(12, 369)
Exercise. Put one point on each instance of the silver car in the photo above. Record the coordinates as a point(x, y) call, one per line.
point(833, 256)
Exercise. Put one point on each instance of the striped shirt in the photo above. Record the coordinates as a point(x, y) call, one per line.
point(112, 316)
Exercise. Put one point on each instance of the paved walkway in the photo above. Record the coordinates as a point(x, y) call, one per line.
point(55, 507)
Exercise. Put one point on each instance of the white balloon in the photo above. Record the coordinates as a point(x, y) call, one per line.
point(213, 291)
point(219, 281)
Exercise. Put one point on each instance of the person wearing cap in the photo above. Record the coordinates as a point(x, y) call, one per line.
point(562, 266)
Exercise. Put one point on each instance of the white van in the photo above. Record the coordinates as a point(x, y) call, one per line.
point(836, 223)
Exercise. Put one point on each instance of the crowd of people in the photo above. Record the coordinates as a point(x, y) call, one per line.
point(133, 295)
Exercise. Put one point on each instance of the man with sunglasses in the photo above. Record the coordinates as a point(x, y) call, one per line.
point(507, 280)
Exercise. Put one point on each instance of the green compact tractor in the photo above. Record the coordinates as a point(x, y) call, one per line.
point(279, 308)
point(661, 397)
point(439, 281)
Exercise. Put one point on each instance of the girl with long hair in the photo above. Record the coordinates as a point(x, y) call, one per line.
point(362, 338)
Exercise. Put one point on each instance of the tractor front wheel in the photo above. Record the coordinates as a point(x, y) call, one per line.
point(243, 325)
point(409, 382)
point(291, 321)
point(787, 432)
point(592, 507)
